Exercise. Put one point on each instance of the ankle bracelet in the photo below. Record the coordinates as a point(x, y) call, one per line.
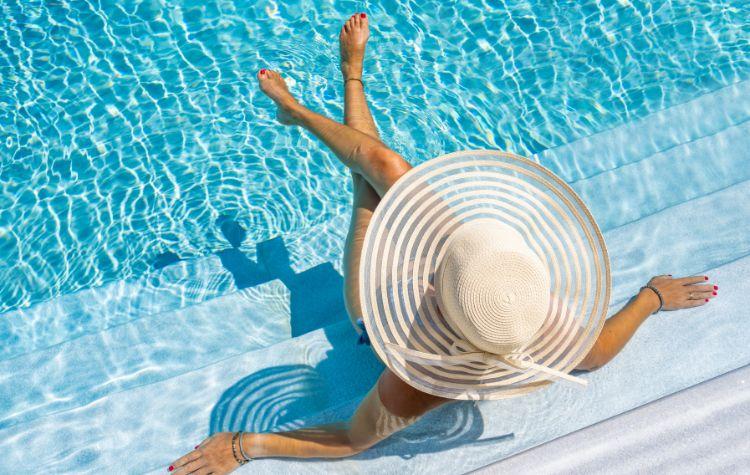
point(354, 79)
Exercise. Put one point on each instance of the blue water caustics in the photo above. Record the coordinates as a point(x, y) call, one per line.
point(128, 128)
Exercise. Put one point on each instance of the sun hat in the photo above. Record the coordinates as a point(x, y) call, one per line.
point(483, 276)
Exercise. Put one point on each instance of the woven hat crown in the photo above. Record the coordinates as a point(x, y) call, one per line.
point(492, 287)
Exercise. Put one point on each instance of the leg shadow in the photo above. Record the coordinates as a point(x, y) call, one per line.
point(316, 293)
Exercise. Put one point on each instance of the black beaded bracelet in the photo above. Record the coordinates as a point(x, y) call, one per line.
point(658, 294)
point(240, 461)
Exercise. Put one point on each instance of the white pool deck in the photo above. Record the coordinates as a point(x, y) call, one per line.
point(703, 429)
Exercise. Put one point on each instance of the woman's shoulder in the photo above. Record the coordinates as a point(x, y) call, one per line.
point(404, 400)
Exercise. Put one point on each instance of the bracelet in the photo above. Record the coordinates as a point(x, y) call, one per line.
point(240, 461)
point(242, 450)
point(658, 294)
point(354, 79)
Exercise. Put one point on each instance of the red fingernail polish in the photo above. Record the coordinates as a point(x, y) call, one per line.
point(716, 287)
point(706, 300)
point(171, 468)
point(363, 15)
point(706, 277)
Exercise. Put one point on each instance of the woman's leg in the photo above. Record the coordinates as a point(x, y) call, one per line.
point(363, 154)
point(352, 41)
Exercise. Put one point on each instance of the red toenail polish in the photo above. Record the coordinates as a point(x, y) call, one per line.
point(171, 468)
point(263, 71)
point(196, 446)
point(363, 15)
point(715, 293)
point(706, 300)
point(716, 287)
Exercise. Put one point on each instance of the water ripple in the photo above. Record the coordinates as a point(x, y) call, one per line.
point(125, 130)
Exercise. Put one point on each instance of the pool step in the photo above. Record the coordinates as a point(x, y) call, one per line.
point(91, 310)
point(176, 286)
point(656, 133)
point(289, 383)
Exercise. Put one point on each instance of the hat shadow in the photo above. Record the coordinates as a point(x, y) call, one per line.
point(290, 396)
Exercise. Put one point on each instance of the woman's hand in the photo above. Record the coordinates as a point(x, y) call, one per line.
point(680, 293)
point(213, 455)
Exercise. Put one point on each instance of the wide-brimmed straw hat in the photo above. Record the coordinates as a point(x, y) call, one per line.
point(483, 276)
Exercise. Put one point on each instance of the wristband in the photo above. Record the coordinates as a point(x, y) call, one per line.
point(658, 294)
point(241, 461)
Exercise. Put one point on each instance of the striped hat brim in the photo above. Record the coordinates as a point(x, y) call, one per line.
point(404, 244)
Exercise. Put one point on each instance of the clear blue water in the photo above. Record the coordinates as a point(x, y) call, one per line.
point(126, 130)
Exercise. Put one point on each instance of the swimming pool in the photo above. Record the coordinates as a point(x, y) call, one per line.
point(128, 131)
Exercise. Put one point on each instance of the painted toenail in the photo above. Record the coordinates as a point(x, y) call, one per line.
point(715, 293)
point(196, 446)
point(706, 277)
point(364, 15)
point(171, 468)
point(706, 300)
point(263, 71)
point(716, 287)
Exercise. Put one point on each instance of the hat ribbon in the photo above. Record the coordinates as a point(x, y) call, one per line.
point(512, 361)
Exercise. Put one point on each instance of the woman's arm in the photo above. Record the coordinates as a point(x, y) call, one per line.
point(391, 405)
point(618, 329)
point(370, 424)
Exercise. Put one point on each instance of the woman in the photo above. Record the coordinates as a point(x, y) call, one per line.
point(393, 403)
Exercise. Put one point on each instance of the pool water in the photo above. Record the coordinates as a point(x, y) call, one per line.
point(134, 135)
point(127, 129)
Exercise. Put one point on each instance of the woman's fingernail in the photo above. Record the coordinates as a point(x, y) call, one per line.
point(705, 277)
point(363, 15)
point(716, 287)
point(170, 468)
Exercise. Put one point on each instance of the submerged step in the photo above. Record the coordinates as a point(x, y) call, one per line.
point(283, 384)
point(682, 173)
point(655, 133)
point(176, 286)
point(91, 310)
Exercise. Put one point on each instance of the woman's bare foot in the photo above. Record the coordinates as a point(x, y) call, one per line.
point(273, 86)
point(352, 40)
